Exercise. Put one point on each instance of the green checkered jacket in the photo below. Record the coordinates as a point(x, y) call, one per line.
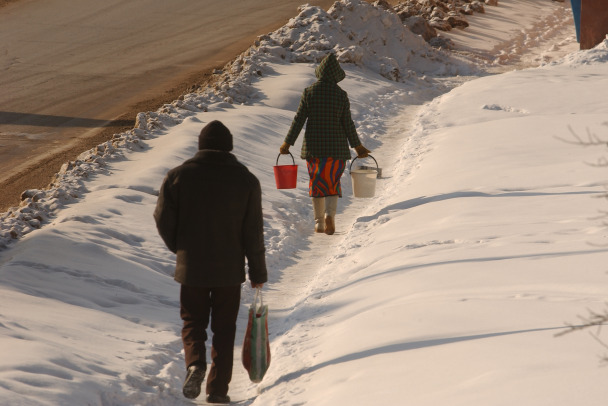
point(330, 128)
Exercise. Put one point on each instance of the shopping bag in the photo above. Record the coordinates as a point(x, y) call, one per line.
point(256, 347)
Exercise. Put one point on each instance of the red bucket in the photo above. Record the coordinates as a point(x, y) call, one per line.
point(286, 176)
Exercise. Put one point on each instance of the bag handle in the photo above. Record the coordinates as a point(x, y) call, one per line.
point(294, 161)
point(353, 161)
point(258, 295)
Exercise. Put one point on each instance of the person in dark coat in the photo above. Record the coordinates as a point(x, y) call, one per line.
point(330, 129)
point(209, 213)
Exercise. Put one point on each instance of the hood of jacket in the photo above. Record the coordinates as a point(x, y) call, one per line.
point(329, 69)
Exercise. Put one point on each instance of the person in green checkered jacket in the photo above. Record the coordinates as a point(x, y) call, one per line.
point(330, 131)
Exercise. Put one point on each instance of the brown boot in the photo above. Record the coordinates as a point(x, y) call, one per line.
point(330, 227)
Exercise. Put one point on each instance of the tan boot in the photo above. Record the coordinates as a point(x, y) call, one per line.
point(331, 205)
point(318, 206)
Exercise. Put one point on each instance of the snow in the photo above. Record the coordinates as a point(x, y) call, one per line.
point(484, 239)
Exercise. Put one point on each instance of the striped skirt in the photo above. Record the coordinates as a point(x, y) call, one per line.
point(325, 174)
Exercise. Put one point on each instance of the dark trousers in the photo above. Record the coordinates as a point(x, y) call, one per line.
point(197, 305)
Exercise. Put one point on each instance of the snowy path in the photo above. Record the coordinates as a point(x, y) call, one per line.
point(293, 292)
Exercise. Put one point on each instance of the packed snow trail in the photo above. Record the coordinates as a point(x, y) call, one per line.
point(293, 292)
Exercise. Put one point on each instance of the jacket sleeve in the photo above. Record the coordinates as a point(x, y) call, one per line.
point(255, 250)
point(165, 215)
point(349, 126)
point(298, 121)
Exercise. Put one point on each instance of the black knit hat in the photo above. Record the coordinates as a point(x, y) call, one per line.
point(215, 136)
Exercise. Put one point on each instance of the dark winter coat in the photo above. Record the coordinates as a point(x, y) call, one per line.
point(209, 212)
point(325, 109)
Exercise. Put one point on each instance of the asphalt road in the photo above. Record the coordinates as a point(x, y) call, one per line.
point(74, 72)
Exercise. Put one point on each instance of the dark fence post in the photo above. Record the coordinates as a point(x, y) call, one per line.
point(594, 22)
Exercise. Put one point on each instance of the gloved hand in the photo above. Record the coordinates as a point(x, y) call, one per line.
point(362, 152)
point(284, 148)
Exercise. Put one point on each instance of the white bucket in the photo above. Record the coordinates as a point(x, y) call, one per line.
point(364, 179)
point(364, 182)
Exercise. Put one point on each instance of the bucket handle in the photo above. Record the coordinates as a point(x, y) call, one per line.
point(353, 161)
point(293, 160)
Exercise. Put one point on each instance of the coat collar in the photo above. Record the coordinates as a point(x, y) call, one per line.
point(210, 155)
